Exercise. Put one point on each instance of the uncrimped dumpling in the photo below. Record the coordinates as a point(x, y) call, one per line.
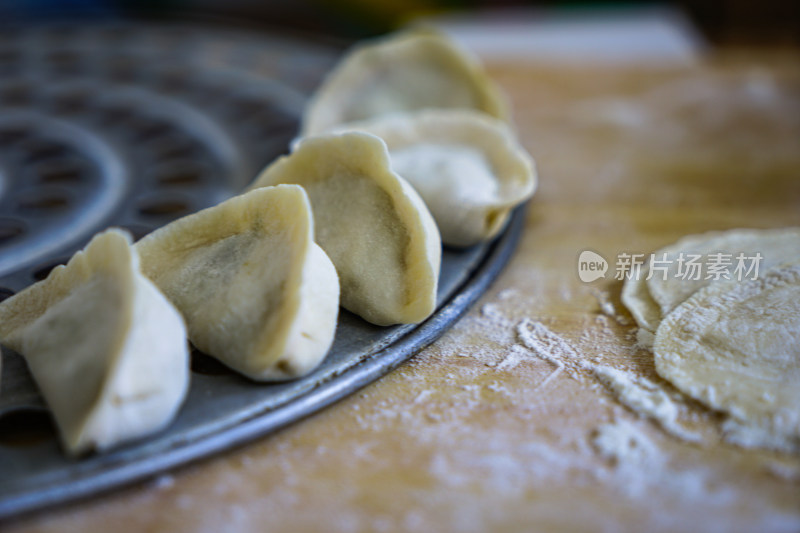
point(373, 225)
point(466, 166)
point(735, 346)
point(105, 347)
point(409, 71)
point(255, 290)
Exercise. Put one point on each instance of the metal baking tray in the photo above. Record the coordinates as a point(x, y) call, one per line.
point(134, 125)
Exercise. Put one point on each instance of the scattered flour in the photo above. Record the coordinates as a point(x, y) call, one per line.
point(645, 339)
point(423, 396)
point(639, 394)
point(637, 464)
point(608, 308)
point(622, 443)
point(625, 114)
point(507, 294)
point(752, 436)
point(783, 470)
point(163, 482)
point(516, 355)
point(548, 346)
point(490, 311)
point(645, 398)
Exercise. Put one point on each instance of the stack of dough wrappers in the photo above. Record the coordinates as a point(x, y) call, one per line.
point(729, 338)
point(406, 146)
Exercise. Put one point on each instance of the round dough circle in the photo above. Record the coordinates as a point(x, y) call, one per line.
point(775, 245)
point(636, 297)
point(735, 346)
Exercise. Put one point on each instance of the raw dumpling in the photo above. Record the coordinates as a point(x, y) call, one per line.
point(105, 347)
point(467, 166)
point(372, 224)
point(735, 346)
point(257, 293)
point(406, 72)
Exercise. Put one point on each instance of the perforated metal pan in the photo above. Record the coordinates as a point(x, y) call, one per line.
point(134, 125)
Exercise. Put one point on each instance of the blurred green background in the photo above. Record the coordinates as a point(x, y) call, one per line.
point(722, 22)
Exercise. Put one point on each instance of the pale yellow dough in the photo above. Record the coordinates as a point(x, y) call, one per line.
point(651, 300)
point(775, 245)
point(408, 71)
point(735, 346)
point(467, 167)
point(257, 293)
point(373, 225)
point(105, 347)
point(636, 297)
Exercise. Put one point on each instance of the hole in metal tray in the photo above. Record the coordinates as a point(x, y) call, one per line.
point(123, 70)
point(203, 364)
point(44, 270)
point(25, 427)
point(174, 81)
point(13, 134)
point(115, 113)
point(137, 231)
point(71, 102)
point(10, 229)
point(60, 171)
point(38, 151)
point(10, 56)
point(180, 173)
point(145, 128)
point(159, 205)
point(17, 94)
point(173, 146)
point(64, 62)
point(5, 293)
point(44, 200)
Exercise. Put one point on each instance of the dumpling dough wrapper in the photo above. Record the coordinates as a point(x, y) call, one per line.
point(255, 290)
point(105, 347)
point(651, 300)
point(371, 223)
point(735, 346)
point(467, 167)
point(636, 297)
point(409, 71)
point(776, 246)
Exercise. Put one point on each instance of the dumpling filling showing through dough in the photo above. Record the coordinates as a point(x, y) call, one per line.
point(255, 290)
point(466, 166)
point(735, 346)
point(105, 347)
point(409, 71)
point(371, 223)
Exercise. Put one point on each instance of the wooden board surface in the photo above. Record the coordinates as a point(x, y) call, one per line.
point(498, 426)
